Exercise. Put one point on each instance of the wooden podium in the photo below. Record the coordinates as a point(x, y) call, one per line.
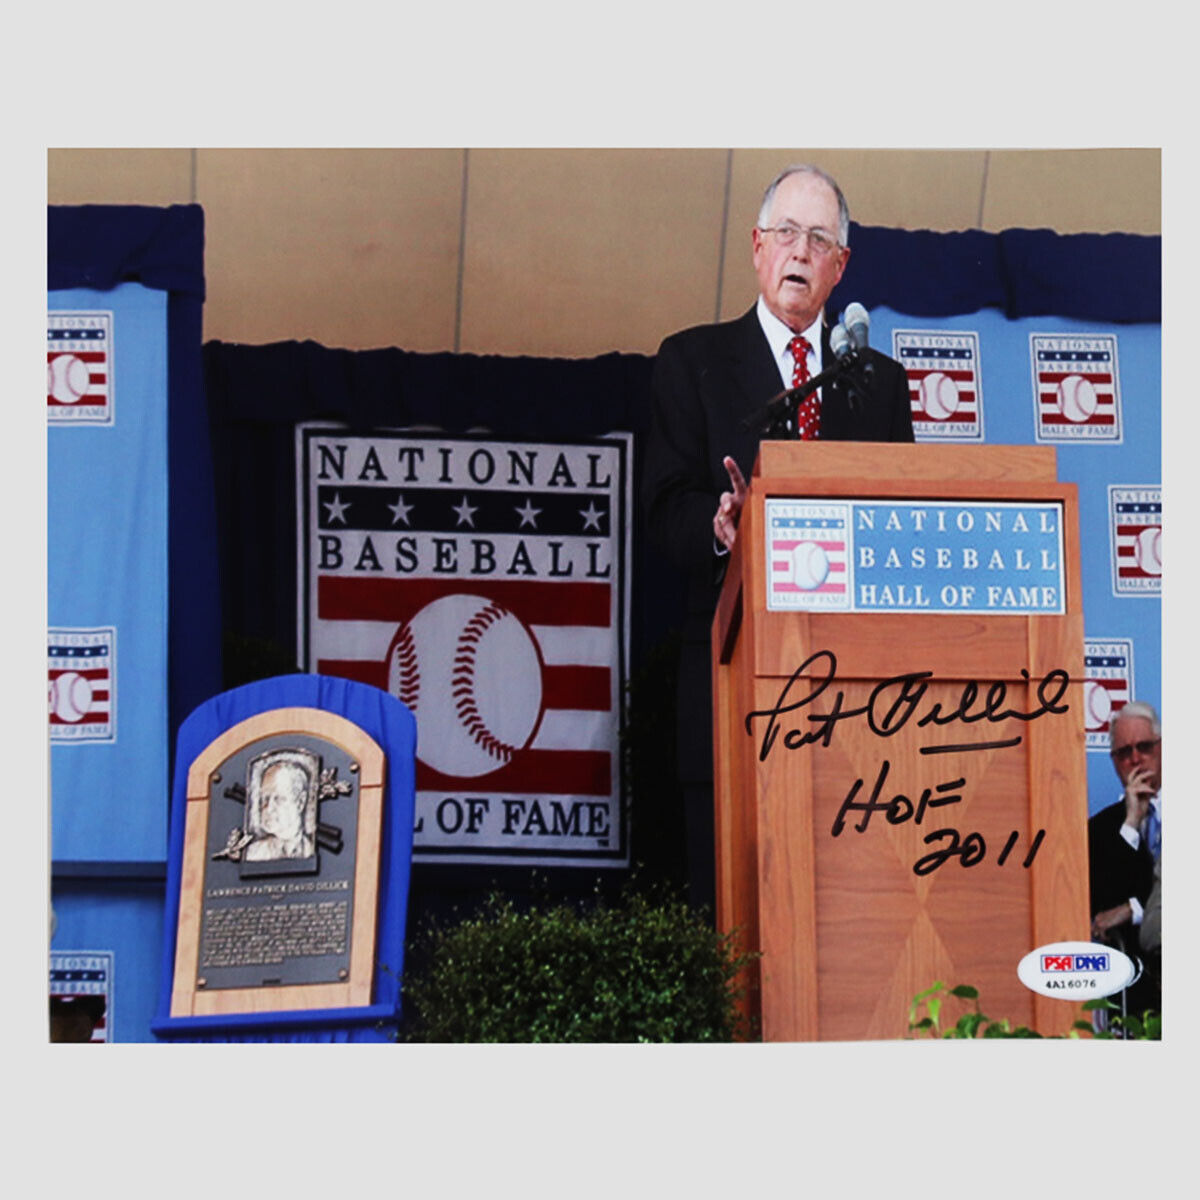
point(901, 793)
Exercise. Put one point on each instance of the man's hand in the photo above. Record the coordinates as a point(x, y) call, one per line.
point(729, 509)
point(1105, 921)
point(1138, 791)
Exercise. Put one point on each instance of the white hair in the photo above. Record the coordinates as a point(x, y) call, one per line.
point(764, 211)
point(1135, 708)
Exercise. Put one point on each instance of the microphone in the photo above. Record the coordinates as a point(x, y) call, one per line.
point(839, 341)
point(858, 323)
point(846, 341)
point(780, 410)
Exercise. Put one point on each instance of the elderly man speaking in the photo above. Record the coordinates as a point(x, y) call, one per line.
point(707, 381)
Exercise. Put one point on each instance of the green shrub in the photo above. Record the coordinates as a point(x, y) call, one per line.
point(1130, 1027)
point(1148, 1027)
point(969, 1025)
point(641, 970)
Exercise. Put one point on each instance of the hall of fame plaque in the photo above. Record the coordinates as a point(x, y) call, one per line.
point(280, 869)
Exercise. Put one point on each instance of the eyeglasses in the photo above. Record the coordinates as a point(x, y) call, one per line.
point(1125, 753)
point(820, 241)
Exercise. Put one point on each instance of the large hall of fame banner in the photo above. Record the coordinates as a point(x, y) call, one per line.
point(486, 584)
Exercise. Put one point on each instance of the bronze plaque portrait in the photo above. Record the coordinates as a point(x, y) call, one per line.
point(281, 867)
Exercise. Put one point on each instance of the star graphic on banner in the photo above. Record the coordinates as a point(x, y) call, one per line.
point(400, 510)
point(591, 516)
point(465, 513)
point(337, 508)
point(528, 514)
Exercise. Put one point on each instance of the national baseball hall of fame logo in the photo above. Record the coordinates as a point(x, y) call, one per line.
point(81, 669)
point(79, 368)
point(806, 555)
point(1108, 686)
point(1135, 539)
point(486, 585)
point(81, 995)
point(1076, 390)
point(943, 383)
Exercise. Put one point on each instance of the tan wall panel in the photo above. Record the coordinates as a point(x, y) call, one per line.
point(349, 248)
point(750, 173)
point(911, 189)
point(579, 252)
point(129, 176)
point(568, 252)
point(1075, 191)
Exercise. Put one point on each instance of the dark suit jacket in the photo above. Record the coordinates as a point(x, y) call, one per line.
point(1116, 871)
point(707, 380)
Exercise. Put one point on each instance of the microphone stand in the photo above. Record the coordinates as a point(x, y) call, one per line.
point(777, 418)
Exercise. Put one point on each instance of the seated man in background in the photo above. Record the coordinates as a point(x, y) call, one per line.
point(1125, 841)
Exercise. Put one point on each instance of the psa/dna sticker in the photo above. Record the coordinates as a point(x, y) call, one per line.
point(1076, 970)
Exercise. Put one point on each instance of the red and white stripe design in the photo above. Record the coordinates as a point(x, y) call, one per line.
point(94, 364)
point(966, 390)
point(1139, 546)
point(360, 621)
point(1051, 383)
point(79, 695)
point(784, 567)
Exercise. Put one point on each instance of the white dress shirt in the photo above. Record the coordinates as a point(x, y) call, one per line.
point(779, 335)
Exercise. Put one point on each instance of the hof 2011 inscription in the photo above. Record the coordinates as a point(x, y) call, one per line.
point(891, 705)
point(278, 893)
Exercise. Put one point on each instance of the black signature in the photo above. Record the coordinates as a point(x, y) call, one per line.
point(893, 702)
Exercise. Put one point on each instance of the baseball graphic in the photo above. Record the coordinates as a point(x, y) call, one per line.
point(1147, 550)
point(70, 696)
point(810, 566)
point(471, 673)
point(1076, 398)
point(938, 395)
point(1097, 706)
point(67, 378)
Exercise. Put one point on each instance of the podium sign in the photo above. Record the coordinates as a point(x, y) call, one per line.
point(280, 870)
point(901, 777)
point(914, 556)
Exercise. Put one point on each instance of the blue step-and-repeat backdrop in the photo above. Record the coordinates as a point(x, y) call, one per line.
point(201, 511)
